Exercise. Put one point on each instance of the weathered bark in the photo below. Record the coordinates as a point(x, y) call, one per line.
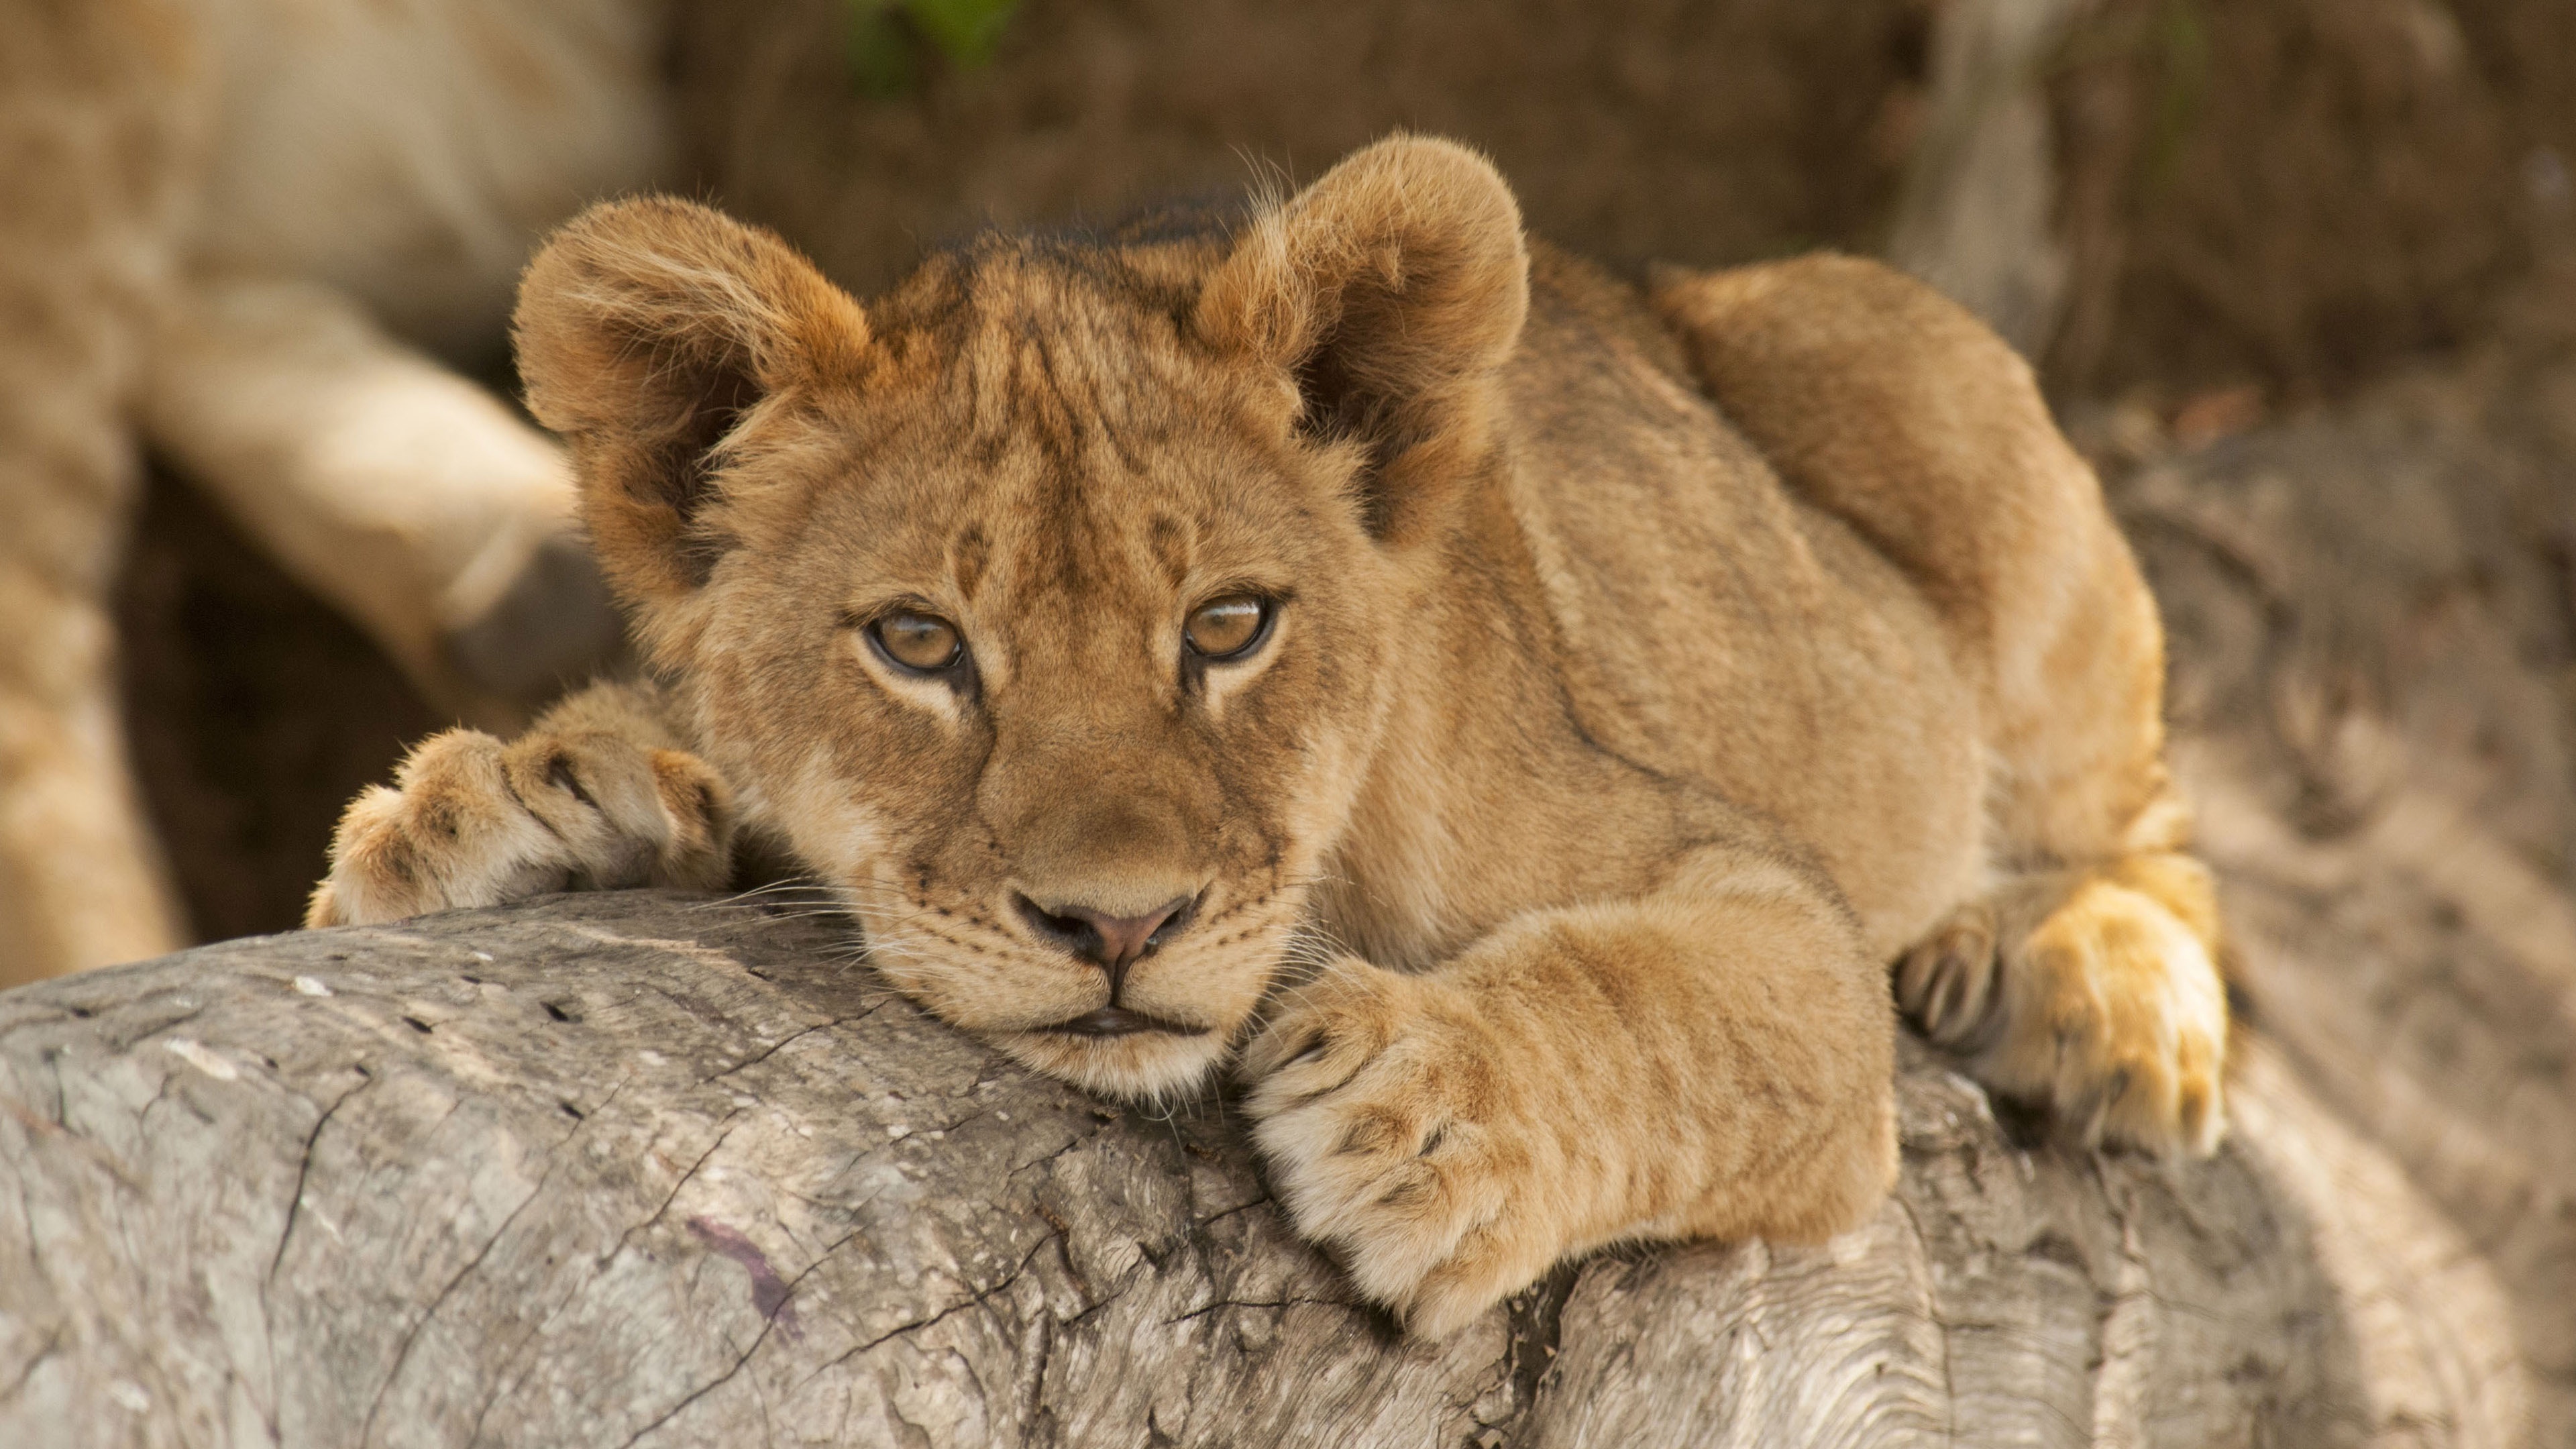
point(2374, 629)
point(636, 1168)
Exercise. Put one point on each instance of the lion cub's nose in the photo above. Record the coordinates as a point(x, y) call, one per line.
point(1111, 942)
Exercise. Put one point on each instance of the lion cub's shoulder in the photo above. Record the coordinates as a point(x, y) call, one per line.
point(1576, 304)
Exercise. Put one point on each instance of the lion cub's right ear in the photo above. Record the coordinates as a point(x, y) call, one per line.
point(1387, 296)
point(651, 334)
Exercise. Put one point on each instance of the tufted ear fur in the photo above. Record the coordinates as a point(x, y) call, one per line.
point(648, 330)
point(1389, 293)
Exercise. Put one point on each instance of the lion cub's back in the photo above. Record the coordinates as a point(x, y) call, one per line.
point(1715, 628)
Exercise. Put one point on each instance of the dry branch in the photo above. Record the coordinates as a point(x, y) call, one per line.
point(623, 1169)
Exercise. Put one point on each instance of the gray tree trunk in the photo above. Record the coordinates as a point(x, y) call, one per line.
point(1975, 217)
point(637, 1168)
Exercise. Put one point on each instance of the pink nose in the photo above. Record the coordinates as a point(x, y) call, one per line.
point(1112, 943)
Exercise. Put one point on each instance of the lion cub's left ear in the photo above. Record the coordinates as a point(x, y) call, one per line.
point(1389, 293)
point(649, 331)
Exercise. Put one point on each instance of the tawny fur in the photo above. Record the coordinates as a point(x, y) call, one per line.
point(229, 229)
point(1649, 671)
point(92, 146)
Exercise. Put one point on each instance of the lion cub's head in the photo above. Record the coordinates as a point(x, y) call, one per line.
point(1050, 606)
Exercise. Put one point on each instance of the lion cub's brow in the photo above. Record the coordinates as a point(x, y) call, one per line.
point(1095, 331)
point(1075, 399)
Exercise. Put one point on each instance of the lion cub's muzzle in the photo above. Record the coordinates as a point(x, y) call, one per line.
point(1112, 943)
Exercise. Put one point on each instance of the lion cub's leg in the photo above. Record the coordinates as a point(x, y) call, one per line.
point(595, 796)
point(411, 499)
point(2086, 980)
point(1713, 1059)
point(2092, 990)
point(94, 102)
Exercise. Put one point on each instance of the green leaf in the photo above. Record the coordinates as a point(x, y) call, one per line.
point(964, 30)
point(2183, 38)
point(886, 38)
point(880, 49)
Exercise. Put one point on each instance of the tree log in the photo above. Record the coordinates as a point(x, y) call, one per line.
point(639, 1168)
point(2372, 647)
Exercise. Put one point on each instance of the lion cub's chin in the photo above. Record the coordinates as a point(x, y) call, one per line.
point(1148, 1066)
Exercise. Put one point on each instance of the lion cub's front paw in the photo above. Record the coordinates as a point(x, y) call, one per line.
point(2106, 1009)
point(474, 822)
point(1393, 1134)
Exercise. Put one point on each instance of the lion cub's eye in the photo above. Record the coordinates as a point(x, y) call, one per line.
point(923, 643)
point(1224, 628)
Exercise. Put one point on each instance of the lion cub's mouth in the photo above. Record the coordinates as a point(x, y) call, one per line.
point(1119, 1021)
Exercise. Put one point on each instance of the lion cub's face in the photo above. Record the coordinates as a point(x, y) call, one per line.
point(1051, 649)
point(1041, 606)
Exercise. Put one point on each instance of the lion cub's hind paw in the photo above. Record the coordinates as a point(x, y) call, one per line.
point(1945, 985)
point(474, 822)
point(1376, 1115)
point(2108, 1012)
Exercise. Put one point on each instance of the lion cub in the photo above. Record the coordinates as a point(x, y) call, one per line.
point(1614, 683)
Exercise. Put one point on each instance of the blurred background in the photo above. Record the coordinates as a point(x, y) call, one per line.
point(2299, 275)
point(2262, 211)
